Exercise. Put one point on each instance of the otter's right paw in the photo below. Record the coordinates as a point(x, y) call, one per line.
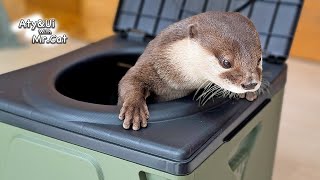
point(135, 113)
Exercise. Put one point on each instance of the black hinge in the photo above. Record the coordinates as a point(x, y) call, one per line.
point(135, 34)
point(275, 60)
point(268, 57)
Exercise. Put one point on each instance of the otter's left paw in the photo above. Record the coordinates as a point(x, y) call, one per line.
point(250, 96)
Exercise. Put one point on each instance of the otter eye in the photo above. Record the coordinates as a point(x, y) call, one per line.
point(259, 61)
point(226, 64)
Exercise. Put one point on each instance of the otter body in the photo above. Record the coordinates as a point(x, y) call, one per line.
point(218, 47)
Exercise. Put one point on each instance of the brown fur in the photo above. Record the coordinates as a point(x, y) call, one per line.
point(225, 35)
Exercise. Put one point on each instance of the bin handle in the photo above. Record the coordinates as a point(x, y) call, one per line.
point(239, 159)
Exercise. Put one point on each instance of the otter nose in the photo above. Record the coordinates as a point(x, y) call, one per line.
point(249, 86)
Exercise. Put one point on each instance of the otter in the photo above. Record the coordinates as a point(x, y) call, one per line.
point(217, 47)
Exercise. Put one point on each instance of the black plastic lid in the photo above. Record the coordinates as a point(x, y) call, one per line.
point(275, 20)
point(71, 98)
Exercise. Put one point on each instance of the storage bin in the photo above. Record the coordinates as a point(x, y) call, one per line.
point(59, 119)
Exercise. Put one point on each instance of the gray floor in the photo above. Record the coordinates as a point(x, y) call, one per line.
point(298, 152)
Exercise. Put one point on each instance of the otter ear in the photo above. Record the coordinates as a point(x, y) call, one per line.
point(193, 30)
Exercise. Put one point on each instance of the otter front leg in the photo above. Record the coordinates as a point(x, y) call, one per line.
point(250, 96)
point(132, 98)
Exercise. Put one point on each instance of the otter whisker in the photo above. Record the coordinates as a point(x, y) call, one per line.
point(204, 91)
point(212, 89)
point(207, 91)
point(209, 97)
point(218, 92)
point(208, 85)
point(264, 88)
point(204, 94)
point(215, 90)
point(203, 84)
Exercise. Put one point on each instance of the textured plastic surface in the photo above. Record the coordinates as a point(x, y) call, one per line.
point(248, 155)
point(275, 20)
point(180, 135)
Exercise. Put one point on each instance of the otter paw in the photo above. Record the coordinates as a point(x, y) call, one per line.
point(250, 96)
point(134, 113)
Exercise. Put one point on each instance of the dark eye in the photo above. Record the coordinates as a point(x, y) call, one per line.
point(226, 64)
point(259, 61)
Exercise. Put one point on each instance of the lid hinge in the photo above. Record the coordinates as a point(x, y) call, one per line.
point(275, 60)
point(270, 58)
point(134, 34)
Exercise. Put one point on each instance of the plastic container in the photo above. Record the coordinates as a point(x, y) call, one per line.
point(58, 119)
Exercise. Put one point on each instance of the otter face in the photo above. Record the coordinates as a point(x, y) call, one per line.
point(234, 74)
point(223, 48)
point(237, 68)
point(238, 74)
point(233, 42)
point(241, 77)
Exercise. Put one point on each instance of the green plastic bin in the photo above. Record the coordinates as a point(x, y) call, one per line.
point(59, 119)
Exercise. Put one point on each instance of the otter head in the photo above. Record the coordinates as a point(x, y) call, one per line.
point(228, 47)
